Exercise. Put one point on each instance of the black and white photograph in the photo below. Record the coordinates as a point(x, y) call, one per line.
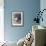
point(17, 18)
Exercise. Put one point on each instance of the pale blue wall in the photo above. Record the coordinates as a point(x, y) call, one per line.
point(43, 6)
point(29, 7)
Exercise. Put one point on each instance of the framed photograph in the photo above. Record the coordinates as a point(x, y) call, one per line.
point(17, 18)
